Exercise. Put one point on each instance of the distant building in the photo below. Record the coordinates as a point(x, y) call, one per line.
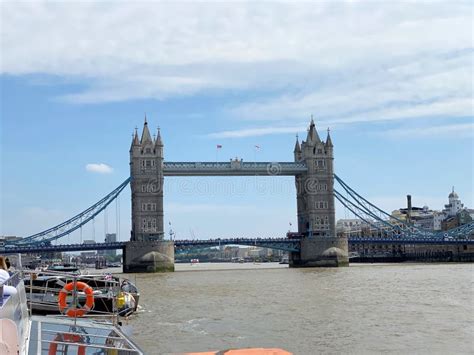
point(352, 226)
point(111, 238)
point(464, 217)
point(421, 217)
point(256, 252)
point(438, 218)
point(9, 238)
point(88, 254)
point(456, 214)
point(449, 223)
point(453, 215)
point(471, 213)
point(243, 252)
point(231, 251)
point(454, 205)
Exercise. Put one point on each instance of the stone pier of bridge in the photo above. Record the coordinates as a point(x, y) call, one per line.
point(148, 256)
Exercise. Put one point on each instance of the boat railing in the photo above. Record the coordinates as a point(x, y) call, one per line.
point(87, 336)
point(109, 286)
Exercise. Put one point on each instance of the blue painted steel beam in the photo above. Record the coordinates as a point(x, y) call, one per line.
point(23, 249)
point(408, 241)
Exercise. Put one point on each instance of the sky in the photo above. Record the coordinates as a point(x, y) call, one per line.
point(392, 80)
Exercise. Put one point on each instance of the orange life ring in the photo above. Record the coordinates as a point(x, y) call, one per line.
point(66, 338)
point(74, 311)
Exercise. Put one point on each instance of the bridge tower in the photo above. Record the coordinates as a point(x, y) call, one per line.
point(146, 171)
point(315, 204)
point(147, 250)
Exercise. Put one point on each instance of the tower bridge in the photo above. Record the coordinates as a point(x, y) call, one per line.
point(315, 243)
point(314, 177)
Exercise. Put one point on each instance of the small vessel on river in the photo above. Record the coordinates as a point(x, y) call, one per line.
point(24, 334)
point(111, 295)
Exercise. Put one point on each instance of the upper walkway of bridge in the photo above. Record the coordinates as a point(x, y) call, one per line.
point(233, 168)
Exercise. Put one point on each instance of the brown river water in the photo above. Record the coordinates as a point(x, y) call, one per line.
point(362, 309)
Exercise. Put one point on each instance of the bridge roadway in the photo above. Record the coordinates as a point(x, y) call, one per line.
point(273, 243)
point(233, 168)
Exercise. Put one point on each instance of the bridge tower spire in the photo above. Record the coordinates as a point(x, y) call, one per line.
point(329, 141)
point(313, 136)
point(159, 144)
point(146, 137)
point(297, 150)
point(135, 142)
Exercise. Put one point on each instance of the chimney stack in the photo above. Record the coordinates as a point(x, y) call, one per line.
point(409, 208)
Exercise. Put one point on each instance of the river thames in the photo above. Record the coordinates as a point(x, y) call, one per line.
point(362, 309)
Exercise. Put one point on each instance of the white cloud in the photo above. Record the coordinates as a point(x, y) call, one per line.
point(255, 132)
point(343, 62)
point(430, 87)
point(463, 130)
point(99, 168)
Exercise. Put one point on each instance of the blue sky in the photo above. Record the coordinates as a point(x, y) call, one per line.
point(393, 81)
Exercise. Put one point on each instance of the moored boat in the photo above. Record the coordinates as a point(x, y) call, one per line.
point(23, 334)
point(110, 294)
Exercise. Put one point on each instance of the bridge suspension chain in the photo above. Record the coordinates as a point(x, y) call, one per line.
point(355, 209)
point(75, 222)
point(376, 212)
